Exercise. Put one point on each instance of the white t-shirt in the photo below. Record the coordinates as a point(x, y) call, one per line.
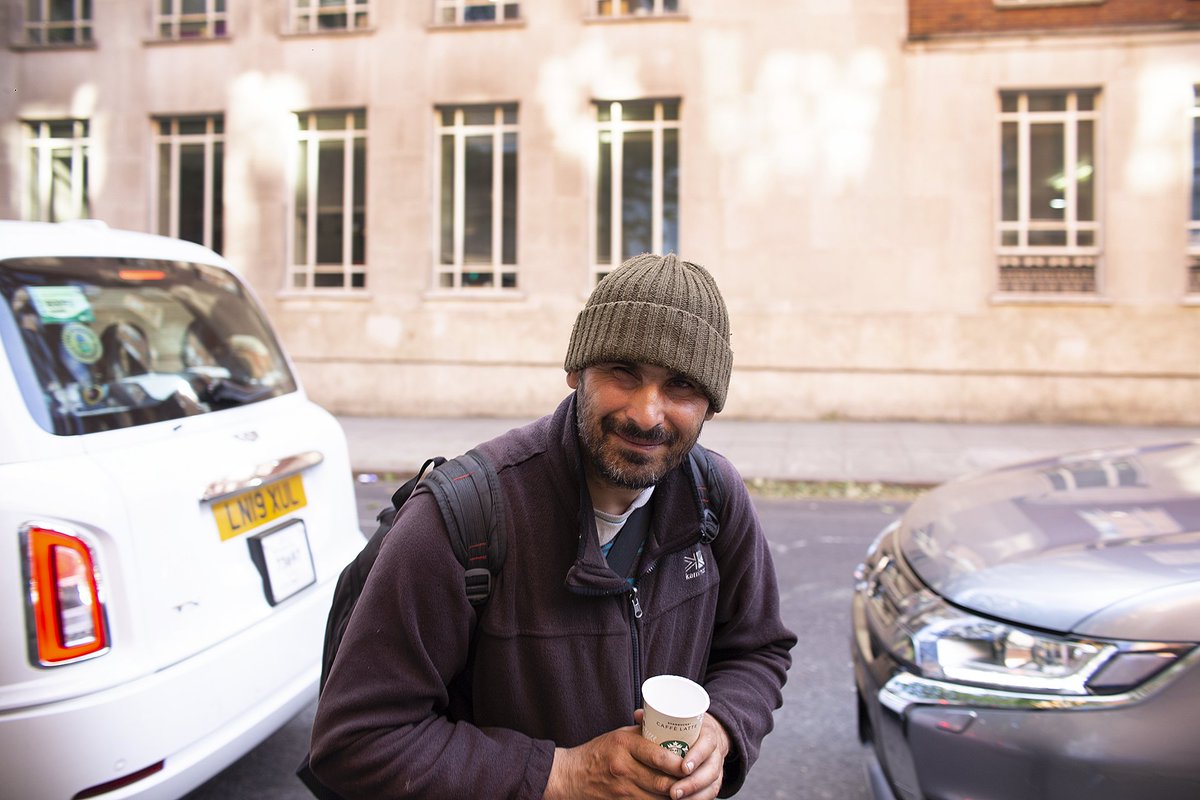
point(609, 525)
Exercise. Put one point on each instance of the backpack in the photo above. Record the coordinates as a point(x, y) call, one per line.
point(468, 495)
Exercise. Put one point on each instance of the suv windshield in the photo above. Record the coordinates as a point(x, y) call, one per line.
point(104, 343)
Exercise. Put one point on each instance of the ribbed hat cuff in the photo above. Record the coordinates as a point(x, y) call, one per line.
point(655, 334)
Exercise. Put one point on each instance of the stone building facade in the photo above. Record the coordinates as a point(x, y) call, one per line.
point(933, 209)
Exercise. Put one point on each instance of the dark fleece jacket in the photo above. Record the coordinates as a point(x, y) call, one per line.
point(416, 706)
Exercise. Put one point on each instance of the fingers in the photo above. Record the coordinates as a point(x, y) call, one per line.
point(703, 781)
point(704, 764)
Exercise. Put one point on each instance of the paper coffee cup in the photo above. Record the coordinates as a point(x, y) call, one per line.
point(673, 709)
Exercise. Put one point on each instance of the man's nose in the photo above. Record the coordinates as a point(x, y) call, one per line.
point(647, 406)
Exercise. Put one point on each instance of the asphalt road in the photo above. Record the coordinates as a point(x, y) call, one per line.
point(813, 754)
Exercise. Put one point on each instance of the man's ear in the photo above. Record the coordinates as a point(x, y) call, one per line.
point(573, 379)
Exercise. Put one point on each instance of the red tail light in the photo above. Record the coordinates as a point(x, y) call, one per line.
point(65, 607)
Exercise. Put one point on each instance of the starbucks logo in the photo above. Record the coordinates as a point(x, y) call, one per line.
point(678, 748)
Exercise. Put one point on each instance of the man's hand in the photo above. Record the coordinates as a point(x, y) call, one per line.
point(704, 764)
point(618, 764)
point(623, 764)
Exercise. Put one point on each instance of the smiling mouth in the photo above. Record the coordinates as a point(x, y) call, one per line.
point(641, 444)
point(639, 440)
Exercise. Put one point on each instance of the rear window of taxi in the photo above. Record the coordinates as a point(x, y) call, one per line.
point(99, 344)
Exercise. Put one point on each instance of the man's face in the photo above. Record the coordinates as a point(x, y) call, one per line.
point(637, 421)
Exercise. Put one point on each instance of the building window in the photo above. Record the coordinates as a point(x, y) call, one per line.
point(1194, 224)
point(467, 12)
point(477, 197)
point(57, 159)
point(312, 16)
point(49, 22)
point(189, 170)
point(1048, 232)
point(1044, 3)
point(636, 8)
point(190, 19)
point(637, 180)
point(328, 219)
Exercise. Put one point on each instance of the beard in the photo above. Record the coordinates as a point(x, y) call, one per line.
point(600, 437)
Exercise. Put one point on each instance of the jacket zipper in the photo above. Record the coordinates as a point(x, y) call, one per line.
point(635, 613)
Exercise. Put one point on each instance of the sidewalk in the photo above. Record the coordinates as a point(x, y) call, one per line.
point(917, 453)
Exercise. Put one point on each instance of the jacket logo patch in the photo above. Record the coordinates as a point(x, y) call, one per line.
point(693, 565)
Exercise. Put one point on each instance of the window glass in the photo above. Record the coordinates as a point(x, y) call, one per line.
point(1048, 231)
point(509, 207)
point(191, 19)
point(604, 200)
point(637, 180)
point(637, 194)
point(670, 191)
point(190, 166)
point(57, 171)
point(477, 211)
point(1047, 171)
point(57, 22)
point(1009, 188)
point(477, 197)
point(1047, 101)
point(468, 12)
point(1194, 225)
point(100, 344)
point(329, 15)
point(329, 221)
point(636, 8)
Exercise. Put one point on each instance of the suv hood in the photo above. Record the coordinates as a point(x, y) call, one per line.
point(1103, 543)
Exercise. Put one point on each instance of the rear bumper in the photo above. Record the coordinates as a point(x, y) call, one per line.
point(196, 717)
point(937, 749)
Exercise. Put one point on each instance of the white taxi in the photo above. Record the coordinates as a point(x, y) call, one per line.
point(174, 512)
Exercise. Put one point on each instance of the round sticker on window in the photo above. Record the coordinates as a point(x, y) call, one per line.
point(82, 343)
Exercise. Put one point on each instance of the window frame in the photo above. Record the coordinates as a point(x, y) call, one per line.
point(37, 33)
point(458, 11)
point(611, 9)
point(212, 139)
point(38, 148)
point(301, 273)
point(617, 126)
point(169, 25)
point(1033, 269)
point(1007, 4)
point(304, 16)
point(1193, 248)
point(504, 275)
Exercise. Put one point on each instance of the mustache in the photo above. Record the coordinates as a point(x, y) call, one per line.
point(628, 429)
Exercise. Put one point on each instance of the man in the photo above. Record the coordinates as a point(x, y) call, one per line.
point(539, 697)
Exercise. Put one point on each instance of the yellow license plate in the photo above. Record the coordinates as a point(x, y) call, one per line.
point(249, 510)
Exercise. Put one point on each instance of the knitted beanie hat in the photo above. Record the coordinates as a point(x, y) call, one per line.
point(658, 310)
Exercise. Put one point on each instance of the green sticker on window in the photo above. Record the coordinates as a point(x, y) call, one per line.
point(61, 304)
point(82, 343)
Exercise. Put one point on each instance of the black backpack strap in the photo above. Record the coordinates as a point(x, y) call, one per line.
point(628, 544)
point(468, 493)
point(709, 490)
point(401, 495)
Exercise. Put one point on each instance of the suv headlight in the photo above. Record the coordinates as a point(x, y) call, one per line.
point(947, 643)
